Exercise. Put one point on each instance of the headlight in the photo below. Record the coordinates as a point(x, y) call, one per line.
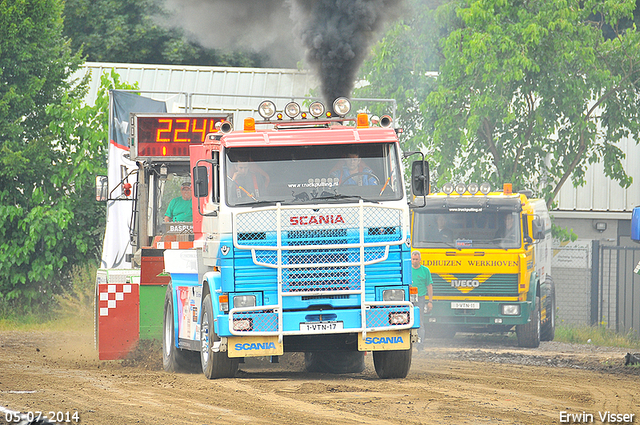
point(485, 188)
point(292, 109)
point(393, 295)
point(242, 324)
point(447, 188)
point(240, 301)
point(398, 318)
point(267, 109)
point(341, 106)
point(461, 188)
point(473, 188)
point(510, 309)
point(316, 109)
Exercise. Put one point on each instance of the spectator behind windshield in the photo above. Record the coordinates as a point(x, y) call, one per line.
point(180, 208)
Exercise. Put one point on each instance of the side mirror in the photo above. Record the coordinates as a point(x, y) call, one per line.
point(420, 178)
point(102, 188)
point(538, 228)
point(200, 182)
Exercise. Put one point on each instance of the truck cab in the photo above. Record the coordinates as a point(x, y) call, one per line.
point(301, 244)
point(489, 254)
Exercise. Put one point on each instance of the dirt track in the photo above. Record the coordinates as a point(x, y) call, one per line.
point(465, 382)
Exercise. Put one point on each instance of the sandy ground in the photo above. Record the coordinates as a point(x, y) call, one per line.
point(463, 381)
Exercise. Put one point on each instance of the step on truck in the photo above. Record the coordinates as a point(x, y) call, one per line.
point(301, 244)
point(489, 254)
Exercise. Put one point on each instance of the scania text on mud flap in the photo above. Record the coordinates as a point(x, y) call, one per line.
point(489, 254)
point(301, 244)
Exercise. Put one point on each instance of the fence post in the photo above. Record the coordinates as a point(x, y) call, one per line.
point(595, 273)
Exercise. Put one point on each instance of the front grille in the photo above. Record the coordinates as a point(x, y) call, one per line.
point(497, 285)
point(321, 279)
point(306, 267)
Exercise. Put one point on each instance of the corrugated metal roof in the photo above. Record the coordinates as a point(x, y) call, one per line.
point(602, 194)
point(238, 90)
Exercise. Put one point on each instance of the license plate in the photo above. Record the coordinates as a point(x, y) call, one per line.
point(319, 327)
point(465, 306)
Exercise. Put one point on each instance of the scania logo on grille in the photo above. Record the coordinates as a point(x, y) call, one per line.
point(303, 220)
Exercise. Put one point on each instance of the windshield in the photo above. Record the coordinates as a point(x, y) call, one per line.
point(307, 174)
point(460, 230)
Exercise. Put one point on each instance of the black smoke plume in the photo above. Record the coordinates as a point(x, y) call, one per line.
point(338, 35)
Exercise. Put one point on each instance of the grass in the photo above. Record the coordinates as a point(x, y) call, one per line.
point(73, 309)
point(597, 335)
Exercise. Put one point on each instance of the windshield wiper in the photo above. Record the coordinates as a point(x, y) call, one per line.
point(341, 196)
point(258, 203)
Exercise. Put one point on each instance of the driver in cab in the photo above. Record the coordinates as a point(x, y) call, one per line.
point(353, 171)
point(250, 181)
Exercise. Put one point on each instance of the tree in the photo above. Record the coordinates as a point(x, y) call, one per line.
point(129, 31)
point(402, 67)
point(51, 145)
point(532, 92)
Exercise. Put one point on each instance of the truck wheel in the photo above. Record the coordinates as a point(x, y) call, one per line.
point(175, 359)
point(529, 333)
point(334, 361)
point(548, 328)
point(392, 364)
point(214, 364)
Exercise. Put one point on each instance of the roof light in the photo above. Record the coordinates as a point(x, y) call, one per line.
point(363, 121)
point(249, 125)
point(341, 106)
point(316, 109)
point(303, 115)
point(279, 116)
point(292, 109)
point(485, 188)
point(447, 188)
point(473, 188)
point(461, 188)
point(267, 109)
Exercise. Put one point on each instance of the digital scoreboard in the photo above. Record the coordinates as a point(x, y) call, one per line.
point(168, 136)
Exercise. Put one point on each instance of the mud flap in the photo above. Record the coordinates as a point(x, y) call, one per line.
point(385, 341)
point(254, 346)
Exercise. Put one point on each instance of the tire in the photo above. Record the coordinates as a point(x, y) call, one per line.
point(175, 359)
point(548, 328)
point(392, 364)
point(334, 361)
point(529, 333)
point(214, 364)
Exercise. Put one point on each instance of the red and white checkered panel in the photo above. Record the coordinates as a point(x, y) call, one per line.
point(118, 319)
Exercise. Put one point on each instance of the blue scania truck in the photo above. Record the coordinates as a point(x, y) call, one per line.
point(300, 244)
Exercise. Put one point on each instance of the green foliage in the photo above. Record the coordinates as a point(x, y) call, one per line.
point(128, 31)
point(596, 335)
point(528, 92)
point(562, 234)
point(532, 93)
point(52, 146)
point(400, 67)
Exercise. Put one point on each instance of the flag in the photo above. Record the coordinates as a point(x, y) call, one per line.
point(117, 238)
